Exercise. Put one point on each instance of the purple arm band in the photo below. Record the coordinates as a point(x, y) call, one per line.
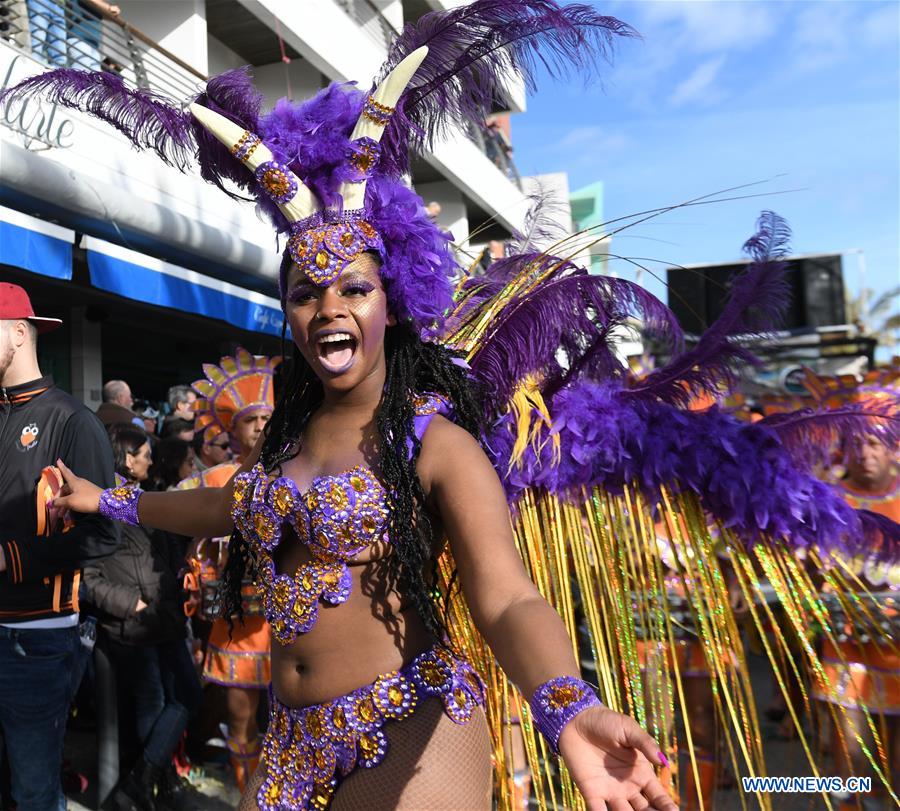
point(558, 701)
point(121, 504)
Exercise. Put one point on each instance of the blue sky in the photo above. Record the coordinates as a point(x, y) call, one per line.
point(724, 92)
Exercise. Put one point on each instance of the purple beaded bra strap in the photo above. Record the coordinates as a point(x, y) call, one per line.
point(121, 504)
point(558, 701)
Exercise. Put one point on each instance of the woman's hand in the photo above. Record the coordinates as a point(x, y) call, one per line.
point(77, 494)
point(610, 758)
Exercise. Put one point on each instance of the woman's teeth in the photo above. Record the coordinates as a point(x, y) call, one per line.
point(336, 351)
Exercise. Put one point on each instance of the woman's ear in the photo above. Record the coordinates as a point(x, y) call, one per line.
point(391, 319)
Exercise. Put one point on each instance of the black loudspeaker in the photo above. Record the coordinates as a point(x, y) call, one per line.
point(698, 294)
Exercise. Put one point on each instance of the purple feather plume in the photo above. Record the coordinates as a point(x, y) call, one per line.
point(560, 329)
point(147, 119)
point(231, 94)
point(758, 300)
point(813, 436)
point(475, 51)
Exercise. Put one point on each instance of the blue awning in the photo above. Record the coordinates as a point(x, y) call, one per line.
point(143, 278)
point(35, 245)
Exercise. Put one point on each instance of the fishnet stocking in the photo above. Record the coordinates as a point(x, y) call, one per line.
point(432, 764)
point(248, 798)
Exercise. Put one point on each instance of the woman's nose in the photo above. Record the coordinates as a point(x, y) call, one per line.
point(330, 304)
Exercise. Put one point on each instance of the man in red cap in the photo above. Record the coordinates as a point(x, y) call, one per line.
point(41, 553)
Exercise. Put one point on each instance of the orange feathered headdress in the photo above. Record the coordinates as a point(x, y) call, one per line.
point(877, 386)
point(237, 385)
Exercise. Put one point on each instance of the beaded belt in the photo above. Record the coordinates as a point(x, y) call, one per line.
point(307, 751)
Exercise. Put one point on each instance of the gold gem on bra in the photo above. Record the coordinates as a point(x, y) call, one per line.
point(366, 709)
point(368, 744)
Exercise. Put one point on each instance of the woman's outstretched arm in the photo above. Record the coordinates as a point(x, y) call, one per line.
point(608, 754)
point(204, 512)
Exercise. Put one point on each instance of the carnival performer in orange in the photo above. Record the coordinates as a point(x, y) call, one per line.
point(863, 662)
point(235, 399)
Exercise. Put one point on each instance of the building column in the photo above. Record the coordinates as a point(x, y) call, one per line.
point(86, 358)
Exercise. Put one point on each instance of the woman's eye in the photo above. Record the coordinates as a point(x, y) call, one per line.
point(300, 296)
point(357, 290)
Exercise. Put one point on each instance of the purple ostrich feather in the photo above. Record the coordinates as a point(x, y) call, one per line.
point(812, 435)
point(758, 299)
point(147, 119)
point(559, 330)
point(232, 95)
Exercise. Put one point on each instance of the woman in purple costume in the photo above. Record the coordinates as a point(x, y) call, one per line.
point(372, 460)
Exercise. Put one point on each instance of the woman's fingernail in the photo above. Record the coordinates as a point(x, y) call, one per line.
point(663, 759)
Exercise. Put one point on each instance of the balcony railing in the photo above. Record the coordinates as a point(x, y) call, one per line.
point(77, 34)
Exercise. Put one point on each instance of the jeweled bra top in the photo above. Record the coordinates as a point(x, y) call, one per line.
point(337, 517)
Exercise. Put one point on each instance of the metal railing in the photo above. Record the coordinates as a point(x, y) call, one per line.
point(77, 34)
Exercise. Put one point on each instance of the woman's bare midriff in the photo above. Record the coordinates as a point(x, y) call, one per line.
point(374, 632)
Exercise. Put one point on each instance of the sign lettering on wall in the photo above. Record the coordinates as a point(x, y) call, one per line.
point(35, 120)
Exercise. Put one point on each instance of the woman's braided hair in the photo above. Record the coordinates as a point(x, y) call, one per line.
point(413, 366)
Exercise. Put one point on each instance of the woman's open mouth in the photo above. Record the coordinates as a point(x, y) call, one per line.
point(336, 351)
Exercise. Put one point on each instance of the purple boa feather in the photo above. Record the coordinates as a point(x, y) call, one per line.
point(741, 472)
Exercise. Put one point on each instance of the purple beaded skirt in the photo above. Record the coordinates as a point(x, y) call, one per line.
point(308, 751)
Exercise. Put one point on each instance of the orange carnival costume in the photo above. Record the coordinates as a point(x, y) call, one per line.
point(237, 657)
point(863, 660)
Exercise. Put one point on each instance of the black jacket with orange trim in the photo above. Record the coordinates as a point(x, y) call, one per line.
point(39, 424)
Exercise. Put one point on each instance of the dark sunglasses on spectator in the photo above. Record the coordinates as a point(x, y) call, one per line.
point(220, 445)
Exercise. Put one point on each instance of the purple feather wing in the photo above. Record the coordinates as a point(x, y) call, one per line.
point(474, 51)
point(744, 477)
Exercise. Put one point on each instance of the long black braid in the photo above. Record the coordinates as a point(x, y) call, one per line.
point(413, 366)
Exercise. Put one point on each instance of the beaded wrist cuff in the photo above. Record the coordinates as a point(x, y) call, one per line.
point(558, 701)
point(121, 504)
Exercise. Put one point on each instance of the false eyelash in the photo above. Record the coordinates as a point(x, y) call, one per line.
point(358, 287)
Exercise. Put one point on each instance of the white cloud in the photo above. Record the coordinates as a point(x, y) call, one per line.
point(881, 26)
point(682, 42)
point(700, 85)
point(826, 33)
point(705, 26)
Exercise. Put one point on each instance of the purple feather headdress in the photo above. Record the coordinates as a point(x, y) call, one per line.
point(329, 171)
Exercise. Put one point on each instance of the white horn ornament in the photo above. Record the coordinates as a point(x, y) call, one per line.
point(252, 152)
point(376, 115)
